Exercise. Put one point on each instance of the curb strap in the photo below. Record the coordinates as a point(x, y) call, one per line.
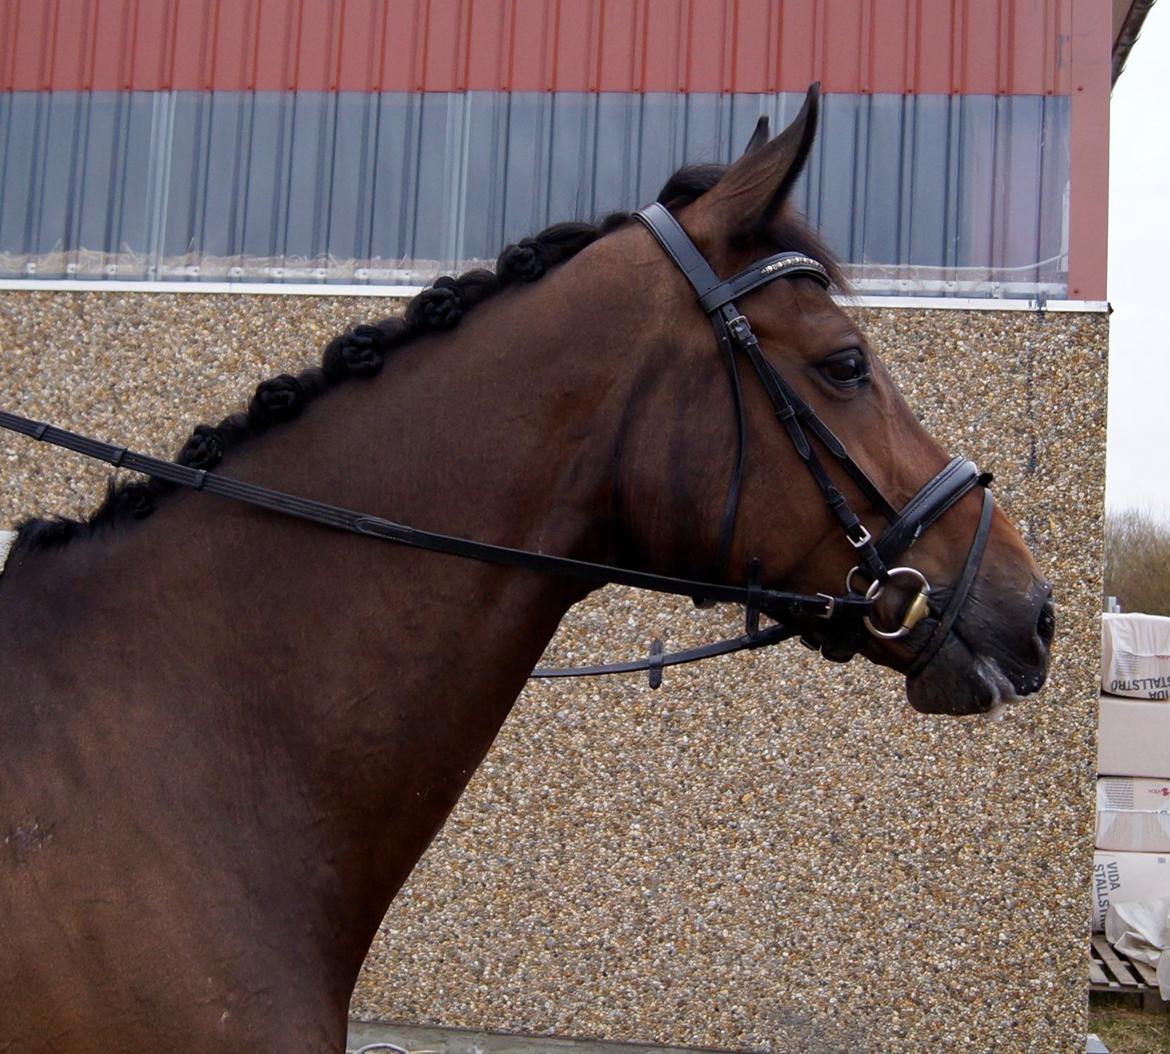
point(752, 637)
point(656, 661)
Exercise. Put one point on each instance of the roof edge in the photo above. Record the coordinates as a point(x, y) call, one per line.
point(1128, 33)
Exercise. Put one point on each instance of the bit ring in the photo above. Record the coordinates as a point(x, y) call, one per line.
point(914, 613)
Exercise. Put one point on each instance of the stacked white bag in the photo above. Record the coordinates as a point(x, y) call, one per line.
point(1132, 861)
point(1131, 867)
point(1135, 655)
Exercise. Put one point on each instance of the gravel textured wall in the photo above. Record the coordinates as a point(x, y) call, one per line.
point(771, 852)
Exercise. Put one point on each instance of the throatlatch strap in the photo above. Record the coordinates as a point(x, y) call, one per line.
point(731, 502)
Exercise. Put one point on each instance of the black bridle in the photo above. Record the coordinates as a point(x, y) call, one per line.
point(833, 624)
point(841, 637)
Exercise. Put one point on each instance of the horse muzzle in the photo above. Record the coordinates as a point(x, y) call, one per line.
point(997, 652)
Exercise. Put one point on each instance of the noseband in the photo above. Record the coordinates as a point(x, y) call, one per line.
point(838, 638)
point(833, 625)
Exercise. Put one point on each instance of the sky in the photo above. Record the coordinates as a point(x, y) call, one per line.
point(1138, 472)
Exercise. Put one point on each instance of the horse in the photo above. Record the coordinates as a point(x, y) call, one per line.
point(229, 735)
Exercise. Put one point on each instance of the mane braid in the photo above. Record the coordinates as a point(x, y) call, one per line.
point(362, 351)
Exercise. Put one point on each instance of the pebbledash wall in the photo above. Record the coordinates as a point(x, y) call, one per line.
point(771, 852)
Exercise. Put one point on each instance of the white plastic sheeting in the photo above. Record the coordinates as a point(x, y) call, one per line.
point(6, 540)
point(1141, 929)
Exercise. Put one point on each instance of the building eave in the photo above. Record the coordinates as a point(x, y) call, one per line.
point(1128, 18)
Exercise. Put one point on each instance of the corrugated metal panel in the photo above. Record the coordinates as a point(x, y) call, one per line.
point(853, 46)
point(357, 186)
point(1088, 210)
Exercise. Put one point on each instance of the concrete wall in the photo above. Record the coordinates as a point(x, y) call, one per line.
point(771, 852)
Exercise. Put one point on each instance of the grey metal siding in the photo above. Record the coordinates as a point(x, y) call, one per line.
point(941, 193)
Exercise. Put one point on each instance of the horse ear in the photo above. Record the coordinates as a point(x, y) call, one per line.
point(760, 136)
point(758, 183)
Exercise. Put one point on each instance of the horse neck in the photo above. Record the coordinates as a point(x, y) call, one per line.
point(498, 431)
point(370, 678)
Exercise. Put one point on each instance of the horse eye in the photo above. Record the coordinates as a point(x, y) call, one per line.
point(845, 369)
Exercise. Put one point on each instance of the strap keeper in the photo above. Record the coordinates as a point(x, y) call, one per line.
point(654, 669)
point(119, 456)
point(755, 595)
point(200, 478)
point(40, 430)
point(874, 567)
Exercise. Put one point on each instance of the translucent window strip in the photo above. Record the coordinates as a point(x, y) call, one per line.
point(950, 195)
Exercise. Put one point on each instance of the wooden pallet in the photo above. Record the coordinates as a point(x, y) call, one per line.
point(1113, 971)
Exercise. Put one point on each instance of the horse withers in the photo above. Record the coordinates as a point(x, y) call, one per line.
point(229, 735)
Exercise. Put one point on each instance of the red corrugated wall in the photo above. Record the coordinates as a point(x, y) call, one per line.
point(904, 46)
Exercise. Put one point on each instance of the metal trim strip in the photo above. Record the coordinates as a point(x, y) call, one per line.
point(952, 303)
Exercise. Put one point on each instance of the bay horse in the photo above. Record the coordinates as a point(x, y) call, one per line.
point(229, 735)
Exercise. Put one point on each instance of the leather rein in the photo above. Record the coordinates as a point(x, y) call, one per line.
point(834, 624)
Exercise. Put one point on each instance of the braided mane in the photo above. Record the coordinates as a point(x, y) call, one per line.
point(362, 351)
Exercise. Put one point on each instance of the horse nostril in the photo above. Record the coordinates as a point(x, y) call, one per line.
point(1046, 623)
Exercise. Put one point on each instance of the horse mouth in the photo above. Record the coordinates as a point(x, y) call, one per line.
point(996, 653)
point(963, 682)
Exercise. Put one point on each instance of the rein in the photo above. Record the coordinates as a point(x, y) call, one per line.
point(775, 603)
point(833, 624)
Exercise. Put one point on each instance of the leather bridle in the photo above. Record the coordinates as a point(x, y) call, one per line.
point(838, 638)
point(833, 624)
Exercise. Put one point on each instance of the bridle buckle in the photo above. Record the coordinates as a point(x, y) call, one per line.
point(862, 540)
point(740, 330)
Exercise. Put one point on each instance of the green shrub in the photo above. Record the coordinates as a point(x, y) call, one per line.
point(1137, 562)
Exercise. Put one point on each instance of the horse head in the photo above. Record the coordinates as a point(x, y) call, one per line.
point(957, 601)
